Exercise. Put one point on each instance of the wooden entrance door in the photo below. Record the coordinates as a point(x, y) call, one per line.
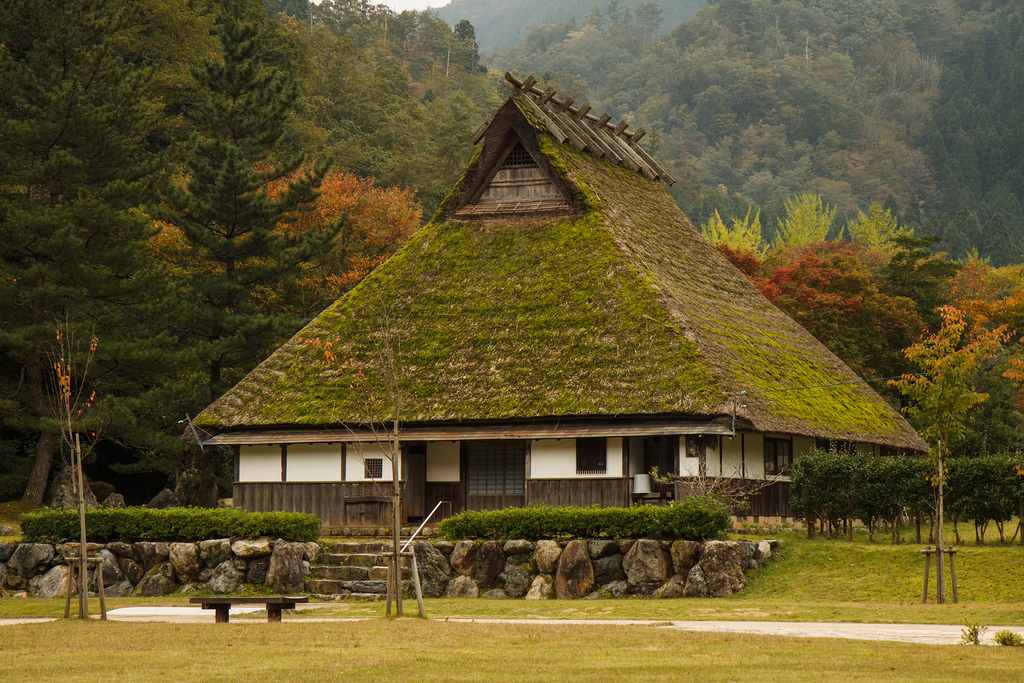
point(414, 462)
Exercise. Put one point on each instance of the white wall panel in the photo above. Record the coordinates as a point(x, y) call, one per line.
point(355, 453)
point(553, 459)
point(259, 463)
point(314, 462)
point(443, 461)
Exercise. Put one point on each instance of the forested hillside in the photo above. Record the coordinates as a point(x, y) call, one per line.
point(501, 25)
point(753, 101)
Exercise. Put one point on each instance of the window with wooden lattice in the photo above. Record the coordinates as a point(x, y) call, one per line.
point(374, 468)
point(591, 456)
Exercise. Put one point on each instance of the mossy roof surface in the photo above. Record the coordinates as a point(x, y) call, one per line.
point(623, 309)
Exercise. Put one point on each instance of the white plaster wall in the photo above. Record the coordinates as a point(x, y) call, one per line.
point(713, 460)
point(259, 463)
point(754, 454)
point(356, 452)
point(732, 456)
point(443, 461)
point(313, 462)
point(553, 459)
point(689, 466)
point(802, 446)
point(614, 457)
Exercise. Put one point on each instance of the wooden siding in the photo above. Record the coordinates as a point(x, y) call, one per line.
point(604, 492)
point(771, 501)
point(518, 183)
point(498, 501)
point(326, 500)
point(450, 492)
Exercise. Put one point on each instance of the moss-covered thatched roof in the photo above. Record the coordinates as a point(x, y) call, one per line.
point(619, 309)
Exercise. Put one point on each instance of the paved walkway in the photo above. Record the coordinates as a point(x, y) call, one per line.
point(932, 634)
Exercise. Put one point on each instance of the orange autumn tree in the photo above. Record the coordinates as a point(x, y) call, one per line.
point(378, 222)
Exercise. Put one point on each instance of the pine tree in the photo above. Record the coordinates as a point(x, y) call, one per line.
point(225, 211)
point(74, 168)
point(998, 247)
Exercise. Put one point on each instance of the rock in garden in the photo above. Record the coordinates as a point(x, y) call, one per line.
point(112, 573)
point(226, 579)
point(672, 589)
point(462, 587)
point(747, 549)
point(517, 547)
point(6, 550)
point(575, 576)
point(6, 530)
point(647, 563)
point(121, 549)
point(446, 547)
point(158, 581)
point(150, 554)
point(763, 552)
point(602, 548)
point(256, 571)
point(723, 571)
point(3, 574)
point(517, 580)
point(131, 569)
point(433, 569)
point(685, 554)
point(54, 583)
point(115, 501)
point(62, 492)
point(29, 559)
point(463, 558)
point(247, 548)
point(310, 551)
point(542, 588)
point(490, 562)
point(696, 586)
point(546, 557)
point(615, 589)
point(214, 551)
point(121, 590)
point(495, 594)
point(285, 572)
point(608, 569)
point(163, 500)
point(185, 558)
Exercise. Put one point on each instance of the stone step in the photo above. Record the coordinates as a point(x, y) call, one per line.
point(381, 573)
point(331, 586)
point(357, 547)
point(350, 559)
point(347, 597)
point(339, 573)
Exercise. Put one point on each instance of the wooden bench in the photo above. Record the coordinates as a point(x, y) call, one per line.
point(274, 605)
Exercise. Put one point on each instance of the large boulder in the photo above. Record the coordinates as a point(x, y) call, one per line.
point(462, 587)
point(747, 550)
point(463, 558)
point(29, 559)
point(163, 500)
point(7, 550)
point(256, 570)
point(495, 594)
point(542, 588)
point(685, 554)
point(121, 549)
point(131, 570)
point(433, 569)
point(608, 569)
point(150, 553)
point(285, 572)
point(214, 551)
point(673, 588)
point(602, 548)
point(575, 576)
point(226, 578)
point(763, 552)
point(62, 492)
point(112, 574)
point(3, 575)
point(696, 586)
point(615, 589)
point(121, 590)
point(310, 551)
point(647, 565)
point(185, 558)
point(490, 563)
point(721, 562)
point(517, 547)
point(249, 548)
point(158, 581)
point(546, 557)
point(115, 501)
point(54, 583)
point(516, 578)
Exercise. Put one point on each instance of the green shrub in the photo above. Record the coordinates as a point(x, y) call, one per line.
point(1008, 638)
point(693, 519)
point(173, 524)
point(101, 490)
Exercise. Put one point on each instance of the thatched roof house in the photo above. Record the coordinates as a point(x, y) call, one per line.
point(558, 303)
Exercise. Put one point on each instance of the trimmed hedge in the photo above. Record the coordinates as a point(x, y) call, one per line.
point(694, 519)
point(173, 524)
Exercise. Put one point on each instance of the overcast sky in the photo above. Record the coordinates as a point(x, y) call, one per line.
point(401, 5)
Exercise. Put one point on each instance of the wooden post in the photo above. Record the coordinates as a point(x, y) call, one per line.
point(83, 574)
point(391, 585)
point(99, 588)
point(419, 592)
point(952, 572)
point(927, 562)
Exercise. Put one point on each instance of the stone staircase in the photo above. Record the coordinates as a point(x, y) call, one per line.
point(354, 570)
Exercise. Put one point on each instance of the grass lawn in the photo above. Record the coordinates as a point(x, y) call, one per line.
point(411, 649)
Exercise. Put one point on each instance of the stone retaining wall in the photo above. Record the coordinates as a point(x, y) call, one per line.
point(591, 569)
point(151, 569)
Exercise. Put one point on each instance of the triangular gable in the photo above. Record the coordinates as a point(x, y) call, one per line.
point(516, 184)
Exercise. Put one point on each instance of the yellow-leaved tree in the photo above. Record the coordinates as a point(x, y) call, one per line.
point(744, 235)
point(807, 221)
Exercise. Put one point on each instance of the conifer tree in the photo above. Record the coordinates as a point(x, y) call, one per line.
point(74, 168)
point(225, 210)
point(998, 247)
